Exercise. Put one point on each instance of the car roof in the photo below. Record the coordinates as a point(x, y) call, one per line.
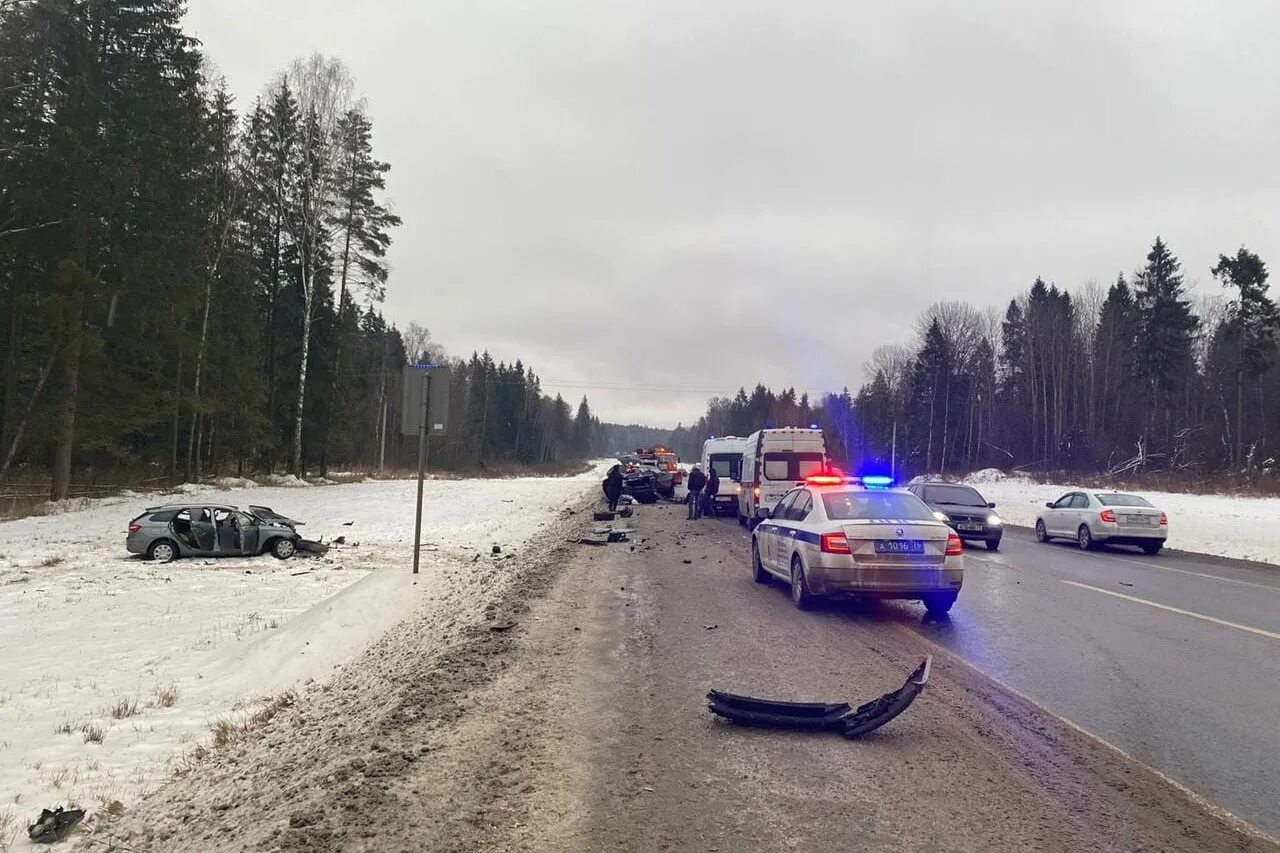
point(197, 505)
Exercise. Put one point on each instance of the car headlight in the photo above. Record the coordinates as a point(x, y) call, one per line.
point(941, 516)
point(994, 520)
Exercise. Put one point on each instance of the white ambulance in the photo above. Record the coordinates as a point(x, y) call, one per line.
point(774, 462)
point(724, 454)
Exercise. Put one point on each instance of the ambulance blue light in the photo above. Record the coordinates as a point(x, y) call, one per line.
point(813, 426)
point(876, 481)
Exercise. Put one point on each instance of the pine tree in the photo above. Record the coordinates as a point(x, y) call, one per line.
point(1165, 329)
point(1252, 326)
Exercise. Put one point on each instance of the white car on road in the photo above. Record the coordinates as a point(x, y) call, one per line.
point(1114, 518)
point(834, 537)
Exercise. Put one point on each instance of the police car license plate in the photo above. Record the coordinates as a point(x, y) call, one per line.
point(899, 546)
point(968, 525)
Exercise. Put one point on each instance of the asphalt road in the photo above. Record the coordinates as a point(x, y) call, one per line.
point(1175, 658)
point(601, 738)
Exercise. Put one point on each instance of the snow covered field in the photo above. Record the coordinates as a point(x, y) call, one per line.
point(111, 665)
point(1224, 525)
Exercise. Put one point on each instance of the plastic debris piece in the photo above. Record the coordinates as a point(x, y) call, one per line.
point(821, 716)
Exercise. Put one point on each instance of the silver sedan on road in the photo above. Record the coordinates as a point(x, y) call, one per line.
point(1114, 518)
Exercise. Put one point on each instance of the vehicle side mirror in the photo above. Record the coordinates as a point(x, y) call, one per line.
point(765, 513)
point(991, 504)
point(1049, 504)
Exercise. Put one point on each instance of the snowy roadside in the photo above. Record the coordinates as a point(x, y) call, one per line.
point(1221, 525)
point(113, 665)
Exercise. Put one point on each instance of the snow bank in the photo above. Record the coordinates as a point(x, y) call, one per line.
point(291, 481)
point(1223, 525)
point(86, 627)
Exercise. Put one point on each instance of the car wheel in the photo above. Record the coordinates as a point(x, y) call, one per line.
point(800, 595)
point(758, 571)
point(1042, 535)
point(993, 544)
point(1152, 548)
point(283, 549)
point(939, 603)
point(162, 551)
point(1084, 538)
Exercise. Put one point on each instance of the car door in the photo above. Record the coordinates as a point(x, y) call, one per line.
point(801, 509)
point(206, 535)
point(776, 529)
point(1054, 517)
point(1079, 511)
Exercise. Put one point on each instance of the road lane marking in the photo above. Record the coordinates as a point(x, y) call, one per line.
point(944, 653)
point(1197, 574)
point(1272, 634)
point(1146, 565)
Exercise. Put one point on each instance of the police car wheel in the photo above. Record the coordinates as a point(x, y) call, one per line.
point(758, 570)
point(801, 597)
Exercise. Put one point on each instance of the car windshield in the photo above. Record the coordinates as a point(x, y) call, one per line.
point(1123, 500)
point(898, 506)
point(953, 496)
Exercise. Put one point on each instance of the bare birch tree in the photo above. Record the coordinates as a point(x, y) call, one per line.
point(323, 87)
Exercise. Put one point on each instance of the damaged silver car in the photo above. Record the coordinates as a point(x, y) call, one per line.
point(164, 533)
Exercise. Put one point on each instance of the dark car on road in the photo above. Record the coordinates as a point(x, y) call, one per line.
point(962, 507)
point(164, 533)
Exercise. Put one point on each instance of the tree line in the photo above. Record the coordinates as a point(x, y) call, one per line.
point(185, 288)
point(1131, 378)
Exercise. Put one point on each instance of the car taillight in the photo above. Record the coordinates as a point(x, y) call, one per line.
point(1109, 516)
point(835, 543)
point(1164, 520)
point(756, 491)
point(954, 546)
point(134, 528)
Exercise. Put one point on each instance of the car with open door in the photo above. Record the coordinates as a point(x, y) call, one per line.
point(164, 533)
point(1094, 518)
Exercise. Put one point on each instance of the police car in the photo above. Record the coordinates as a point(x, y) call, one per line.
point(841, 536)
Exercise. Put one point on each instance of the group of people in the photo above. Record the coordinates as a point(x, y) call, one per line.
point(702, 492)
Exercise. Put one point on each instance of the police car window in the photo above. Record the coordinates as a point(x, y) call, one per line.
point(1123, 500)
point(1063, 502)
point(800, 508)
point(780, 511)
point(899, 506)
point(1079, 501)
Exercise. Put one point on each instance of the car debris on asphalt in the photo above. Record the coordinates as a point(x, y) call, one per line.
point(821, 716)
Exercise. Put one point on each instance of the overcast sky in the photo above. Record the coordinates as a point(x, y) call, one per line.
point(693, 196)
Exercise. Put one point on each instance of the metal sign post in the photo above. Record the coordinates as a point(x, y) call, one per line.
point(426, 412)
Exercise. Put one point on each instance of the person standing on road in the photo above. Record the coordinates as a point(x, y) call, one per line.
point(613, 487)
point(710, 492)
point(697, 480)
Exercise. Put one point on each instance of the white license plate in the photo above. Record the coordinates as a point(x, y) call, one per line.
point(1141, 520)
point(968, 525)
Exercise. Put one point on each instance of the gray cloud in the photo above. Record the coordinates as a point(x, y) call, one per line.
point(694, 197)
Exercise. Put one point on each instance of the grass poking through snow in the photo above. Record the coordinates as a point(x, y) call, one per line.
point(165, 697)
point(123, 708)
point(93, 733)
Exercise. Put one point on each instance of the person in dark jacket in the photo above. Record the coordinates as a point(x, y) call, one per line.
point(613, 487)
point(697, 480)
point(710, 491)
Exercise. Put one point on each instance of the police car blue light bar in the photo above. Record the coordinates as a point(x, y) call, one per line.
point(876, 481)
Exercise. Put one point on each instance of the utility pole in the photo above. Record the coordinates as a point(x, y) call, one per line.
point(893, 453)
point(422, 468)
